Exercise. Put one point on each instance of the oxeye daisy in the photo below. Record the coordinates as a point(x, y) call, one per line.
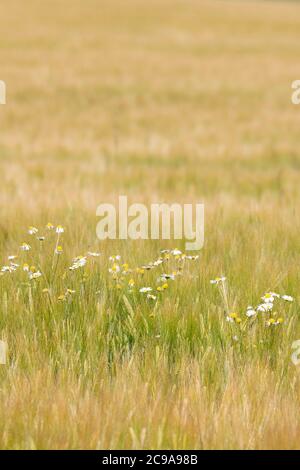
point(268, 298)
point(145, 289)
point(131, 283)
point(14, 265)
point(125, 268)
point(78, 262)
point(25, 267)
point(151, 296)
point(165, 277)
point(12, 257)
point(25, 247)
point(114, 269)
point(266, 307)
point(251, 312)
point(7, 269)
point(273, 322)
point(58, 250)
point(34, 275)
point(114, 258)
point(274, 294)
point(218, 280)
point(49, 226)
point(80, 259)
point(176, 252)
point(147, 267)
point(287, 298)
point(158, 262)
point(32, 230)
point(59, 229)
point(233, 318)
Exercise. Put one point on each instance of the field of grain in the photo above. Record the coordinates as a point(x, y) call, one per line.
point(162, 101)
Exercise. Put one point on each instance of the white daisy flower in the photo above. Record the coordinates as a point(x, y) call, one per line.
point(273, 322)
point(147, 267)
point(233, 318)
point(145, 289)
point(229, 319)
point(218, 280)
point(274, 294)
point(114, 269)
point(59, 229)
point(158, 262)
point(131, 283)
point(14, 265)
point(7, 269)
point(176, 252)
point(114, 258)
point(78, 262)
point(287, 298)
point(266, 307)
point(151, 296)
point(166, 277)
point(32, 230)
point(25, 247)
point(35, 275)
point(269, 297)
point(250, 311)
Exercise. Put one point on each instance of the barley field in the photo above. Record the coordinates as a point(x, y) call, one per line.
point(163, 101)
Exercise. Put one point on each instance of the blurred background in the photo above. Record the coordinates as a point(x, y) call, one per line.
point(173, 100)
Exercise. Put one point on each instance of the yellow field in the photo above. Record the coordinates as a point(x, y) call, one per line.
point(163, 101)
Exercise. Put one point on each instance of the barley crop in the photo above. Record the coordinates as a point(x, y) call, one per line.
point(123, 344)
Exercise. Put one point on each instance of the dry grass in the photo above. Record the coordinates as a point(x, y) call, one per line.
point(249, 413)
point(163, 101)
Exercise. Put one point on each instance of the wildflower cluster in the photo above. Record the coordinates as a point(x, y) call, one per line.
point(269, 306)
point(34, 254)
point(32, 260)
point(129, 278)
point(270, 303)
